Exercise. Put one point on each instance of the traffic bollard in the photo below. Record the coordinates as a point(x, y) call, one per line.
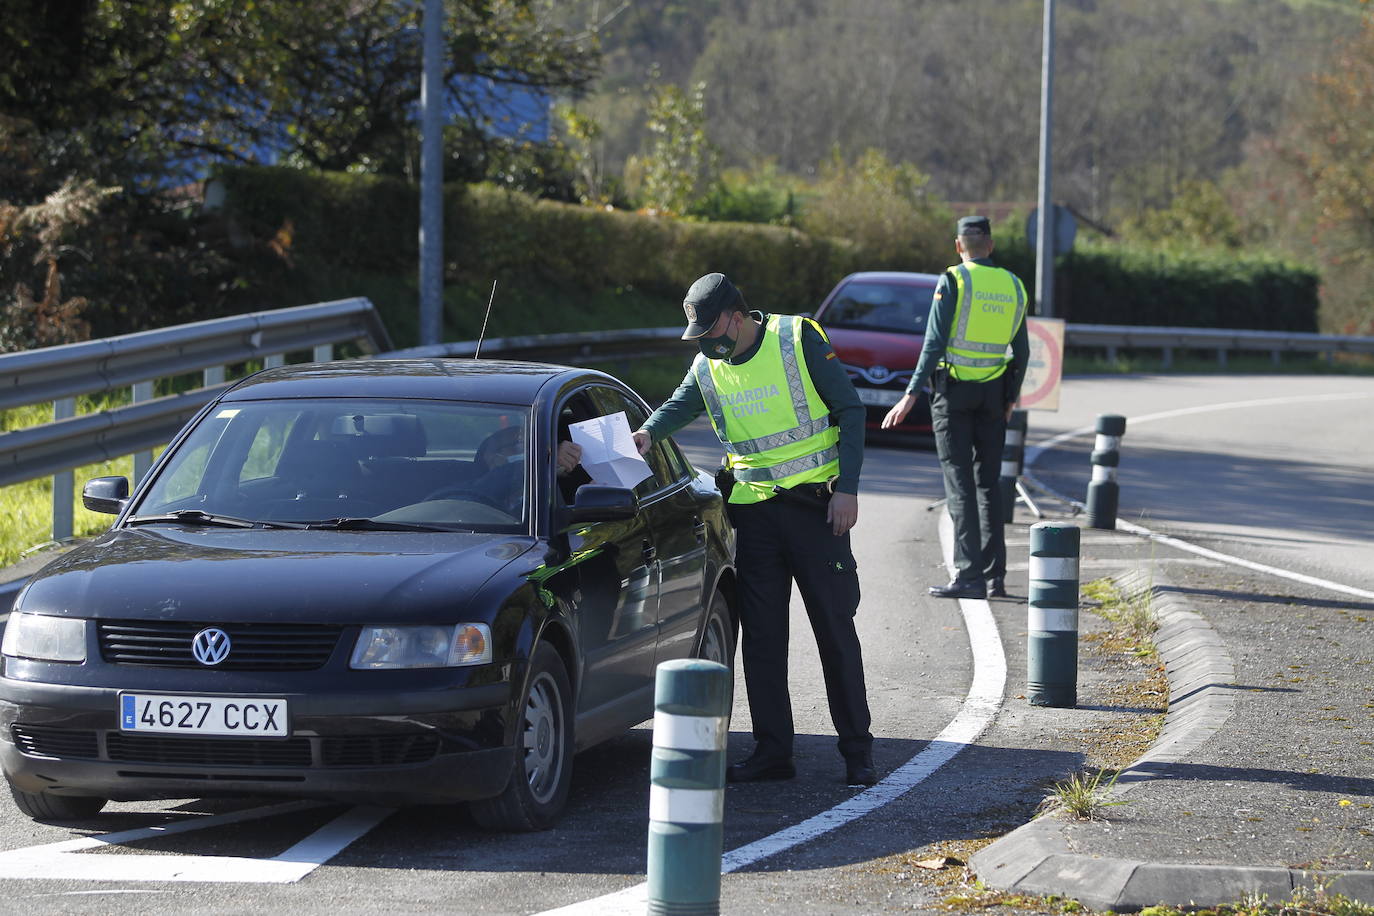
point(687, 791)
point(1104, 490)
point(1013, 455)
point(1052, 622)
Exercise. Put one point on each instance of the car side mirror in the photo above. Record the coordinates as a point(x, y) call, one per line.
point(105, 494)
point(602, 504)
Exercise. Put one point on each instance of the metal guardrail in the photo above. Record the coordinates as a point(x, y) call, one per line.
point(1220, 340)
point(56, 374)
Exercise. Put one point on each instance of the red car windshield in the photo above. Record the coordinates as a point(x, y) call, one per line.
point(872, 306)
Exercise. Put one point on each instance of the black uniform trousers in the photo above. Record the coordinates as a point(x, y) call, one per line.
point(780, 541)
point(970, 425)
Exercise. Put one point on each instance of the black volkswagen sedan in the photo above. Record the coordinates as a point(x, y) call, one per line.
point(365, 581)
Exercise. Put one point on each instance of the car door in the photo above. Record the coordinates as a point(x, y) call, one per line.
point(615, 600)
point(669, 504)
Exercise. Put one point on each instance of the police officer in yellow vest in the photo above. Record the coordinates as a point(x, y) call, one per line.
point(792, 427)
point(979, 310)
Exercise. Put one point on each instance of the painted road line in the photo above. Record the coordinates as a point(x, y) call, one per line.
point(1033, 454)
point(979, 708)
point(66, 860)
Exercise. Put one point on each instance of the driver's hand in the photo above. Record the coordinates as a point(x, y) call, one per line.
point(642, 440)
point(569, 455)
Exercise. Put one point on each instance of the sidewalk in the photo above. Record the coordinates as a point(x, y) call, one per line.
point(1263, 778)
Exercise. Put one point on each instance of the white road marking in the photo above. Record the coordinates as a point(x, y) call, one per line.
point(1034, 452)
point(63, 860)
point(980, 706)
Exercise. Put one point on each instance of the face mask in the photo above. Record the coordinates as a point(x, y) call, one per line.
point(720, 347)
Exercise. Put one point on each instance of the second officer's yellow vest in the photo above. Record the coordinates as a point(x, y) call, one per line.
point(775, 428)
point(990, 306)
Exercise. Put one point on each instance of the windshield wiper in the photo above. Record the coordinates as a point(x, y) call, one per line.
point(197, 517)
point(371, 524)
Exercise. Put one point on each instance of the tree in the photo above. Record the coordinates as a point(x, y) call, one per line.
point(681, 163)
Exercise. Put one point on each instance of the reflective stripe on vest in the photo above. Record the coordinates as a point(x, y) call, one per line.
point(961, 352)
point(774, 426)
point(807, 426)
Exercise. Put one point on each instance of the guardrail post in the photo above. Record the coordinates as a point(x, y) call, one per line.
point(63, 482)
point(212, 376)
point(1221, 358)
point(324, 353)
point(1052, 621)
point(1103, 491)
point(1168, 360)
point(274, 360)
point(687, 791)
point(143, 391)
point(1013, 456)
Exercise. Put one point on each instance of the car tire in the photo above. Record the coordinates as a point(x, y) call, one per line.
point(44, 807)
point(719, 633)
point(538, 787)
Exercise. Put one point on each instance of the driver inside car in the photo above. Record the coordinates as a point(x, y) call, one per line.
point(501, 456)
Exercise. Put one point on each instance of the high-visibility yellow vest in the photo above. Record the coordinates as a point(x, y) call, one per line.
point(990, 304)
point(775, 428)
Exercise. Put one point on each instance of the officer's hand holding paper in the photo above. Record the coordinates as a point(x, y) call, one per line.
point(609, 455)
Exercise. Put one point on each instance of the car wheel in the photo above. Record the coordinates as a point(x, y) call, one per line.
point(538, 786)
point(44, 807)
point(718, 635)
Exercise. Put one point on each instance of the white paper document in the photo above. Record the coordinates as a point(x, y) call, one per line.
point(609, 455)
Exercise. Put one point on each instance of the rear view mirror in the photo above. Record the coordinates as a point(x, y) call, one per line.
point(105, 494)
point(603, 504)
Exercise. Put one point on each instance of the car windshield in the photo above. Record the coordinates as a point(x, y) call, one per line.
point(874, 306)
point(397, 464)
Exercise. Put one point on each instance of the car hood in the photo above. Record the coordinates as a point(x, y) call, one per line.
point(876, 348)
point(212, 575)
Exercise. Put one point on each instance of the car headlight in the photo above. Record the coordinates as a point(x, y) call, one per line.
point(423, 646)
point(42, 636)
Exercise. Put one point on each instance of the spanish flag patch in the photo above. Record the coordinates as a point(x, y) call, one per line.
point(830, 355)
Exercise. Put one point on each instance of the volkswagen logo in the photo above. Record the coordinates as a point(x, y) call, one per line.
point(210, 646)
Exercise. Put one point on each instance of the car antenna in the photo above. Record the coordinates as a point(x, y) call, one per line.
point(478, 352)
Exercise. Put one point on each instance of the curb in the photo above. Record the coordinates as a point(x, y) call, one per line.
point(1038, 858)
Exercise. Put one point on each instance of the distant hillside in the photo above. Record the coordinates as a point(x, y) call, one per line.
point(1149, 93)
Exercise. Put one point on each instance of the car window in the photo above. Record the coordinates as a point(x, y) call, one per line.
point(303, 460)
point(874, 306)
point(664, 472)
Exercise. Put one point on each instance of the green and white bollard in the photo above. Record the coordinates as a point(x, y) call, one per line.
point(687, 791)
point(1103, 491)
point(1013, 456)
point(1052, 624)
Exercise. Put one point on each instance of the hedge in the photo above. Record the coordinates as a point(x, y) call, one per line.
point(562, 267)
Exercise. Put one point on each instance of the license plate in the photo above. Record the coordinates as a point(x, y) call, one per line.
point(879, 397)
point(248, 717)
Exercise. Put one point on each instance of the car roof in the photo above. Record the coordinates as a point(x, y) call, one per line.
point(892, 276)
point(485, 380)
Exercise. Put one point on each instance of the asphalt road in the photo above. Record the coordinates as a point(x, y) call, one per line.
point(1286, 482)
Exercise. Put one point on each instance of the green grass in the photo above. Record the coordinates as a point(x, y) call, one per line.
point(1083, 796)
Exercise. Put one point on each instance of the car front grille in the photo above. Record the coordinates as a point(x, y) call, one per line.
point(42, 741)
point(182, 750)
point(253, 646)
point(385, 750)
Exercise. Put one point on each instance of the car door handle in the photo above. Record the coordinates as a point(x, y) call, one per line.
point(699, 526)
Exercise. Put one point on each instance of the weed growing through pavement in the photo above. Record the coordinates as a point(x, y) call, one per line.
point(1133, 619)
point(1316, 901)
point(1083, 796)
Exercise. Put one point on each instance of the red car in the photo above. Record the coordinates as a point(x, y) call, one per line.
point(876, 321)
